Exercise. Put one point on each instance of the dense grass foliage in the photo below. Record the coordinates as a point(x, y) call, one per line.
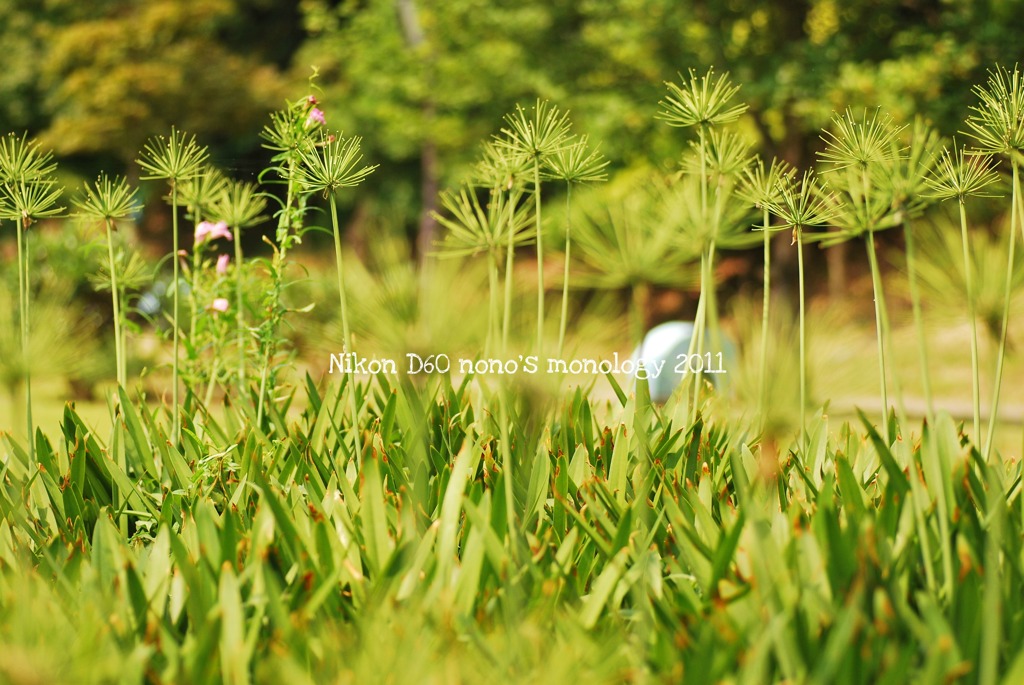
point(454, 528)
point(612, 542)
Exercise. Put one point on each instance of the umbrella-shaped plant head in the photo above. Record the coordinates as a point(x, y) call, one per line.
point(175, 158)
point(701, 102)
point(199, 193)
point(108, 201)
point(996, 123)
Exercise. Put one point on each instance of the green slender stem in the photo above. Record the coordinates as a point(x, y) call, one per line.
point(540, 257)
point(915, 302)
point(1000, 356)
point(176, 418)
point(969, 279)
point(803, 339)
point(509, 262)
point(699, 326)
point(492, 303)
point(762, 393)
point(23, 305)
point(345, 331)
point(343, 302)
point(565, 275)
point(696, 343)
point(114, 296)
point(881, 326)
point(239, 313)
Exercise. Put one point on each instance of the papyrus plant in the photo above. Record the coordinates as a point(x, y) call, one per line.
point(175, 158)
point(958, 176)
point(717, 159)
point(762, 187)
point(856, 148)
point(28, 193)
point(576, 164)
point(536, 136)
point(997, 126)
point(328, 166)
point(109, 201)
point(800, 205)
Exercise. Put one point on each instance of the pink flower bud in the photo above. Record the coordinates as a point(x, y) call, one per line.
point(207, 230)
point(312, 101)
point(220, 304)
point(315, 117)
point(222, 263)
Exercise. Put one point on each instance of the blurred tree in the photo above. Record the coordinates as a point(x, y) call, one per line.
point(116, 72)
point(23, 51)
point(430, 78)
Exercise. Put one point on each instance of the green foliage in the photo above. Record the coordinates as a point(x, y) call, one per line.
point(245, 555)
point(117, 72)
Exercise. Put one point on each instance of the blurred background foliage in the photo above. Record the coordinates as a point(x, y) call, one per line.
point(424, 81)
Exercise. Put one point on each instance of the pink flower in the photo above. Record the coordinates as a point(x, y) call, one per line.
point(207, 230)
point(315, 117)
point(312, 101)
point(222, 264)
point(220, 305)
